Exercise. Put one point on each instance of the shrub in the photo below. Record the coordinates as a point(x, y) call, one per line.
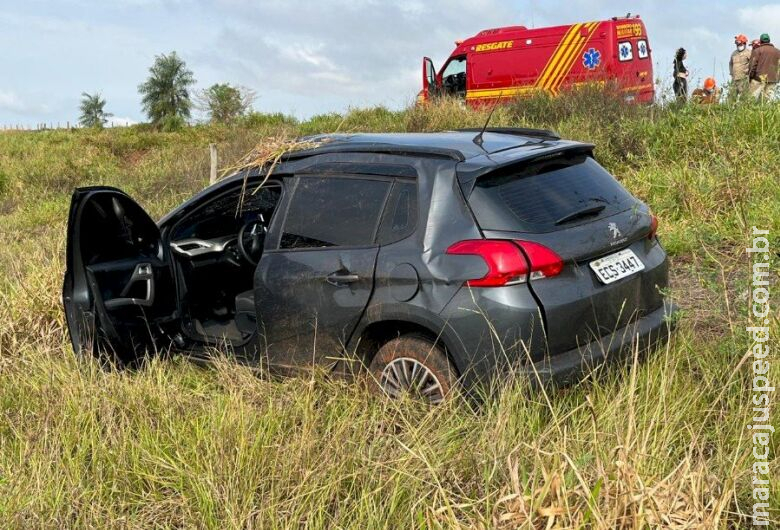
point(259, 120)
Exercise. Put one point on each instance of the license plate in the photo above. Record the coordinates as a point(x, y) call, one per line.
point(616, 266)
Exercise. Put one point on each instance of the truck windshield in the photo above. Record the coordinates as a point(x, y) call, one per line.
point(453, 77)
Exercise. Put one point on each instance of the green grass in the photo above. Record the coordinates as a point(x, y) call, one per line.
point(656, 443)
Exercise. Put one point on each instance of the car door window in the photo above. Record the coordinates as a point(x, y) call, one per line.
point(400, 217)
point(333, 212)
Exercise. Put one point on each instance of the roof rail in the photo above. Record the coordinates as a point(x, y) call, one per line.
point(518, 131)
point(379, 148)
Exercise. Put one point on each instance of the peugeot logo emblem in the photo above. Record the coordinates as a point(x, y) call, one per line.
point(615, 230)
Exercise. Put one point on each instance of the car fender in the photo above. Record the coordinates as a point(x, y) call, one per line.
point(416, 316)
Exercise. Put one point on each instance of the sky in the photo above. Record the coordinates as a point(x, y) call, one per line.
point(306, 58)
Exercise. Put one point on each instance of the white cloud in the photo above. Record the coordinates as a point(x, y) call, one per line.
point(307, 55)
point(117, 121)
point(762, 19)
point(340, 52)
point(703, 34)
point(10, 101)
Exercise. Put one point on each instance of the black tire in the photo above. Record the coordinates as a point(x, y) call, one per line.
point(399, 367)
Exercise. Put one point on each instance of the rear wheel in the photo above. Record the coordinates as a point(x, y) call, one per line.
point(413, 365)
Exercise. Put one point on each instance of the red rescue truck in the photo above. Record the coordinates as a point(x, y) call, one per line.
point(515, 61)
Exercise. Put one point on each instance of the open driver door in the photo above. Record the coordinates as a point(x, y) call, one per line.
point(119, 289)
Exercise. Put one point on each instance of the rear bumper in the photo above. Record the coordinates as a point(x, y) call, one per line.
point(571, 366)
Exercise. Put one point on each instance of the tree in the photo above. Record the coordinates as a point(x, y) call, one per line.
point(224, 103)
point(165, 94)
point(92, 113)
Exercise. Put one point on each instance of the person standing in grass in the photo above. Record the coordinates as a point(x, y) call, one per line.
point(764, 65)
point(739, 68)
point(680, 84)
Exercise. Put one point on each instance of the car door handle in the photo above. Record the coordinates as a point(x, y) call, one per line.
point(342, 279)
point(143, 272)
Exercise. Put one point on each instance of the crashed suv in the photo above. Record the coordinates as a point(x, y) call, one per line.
point(434, 260)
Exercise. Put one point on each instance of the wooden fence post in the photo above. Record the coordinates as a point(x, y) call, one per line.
point(213, 172)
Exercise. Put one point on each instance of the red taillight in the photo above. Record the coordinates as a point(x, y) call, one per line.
point(544, 262)
point(653, 227)
point(506, 263)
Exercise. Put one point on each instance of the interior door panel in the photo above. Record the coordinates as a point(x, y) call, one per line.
point(118, 284)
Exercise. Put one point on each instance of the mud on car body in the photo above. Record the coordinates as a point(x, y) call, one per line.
point(432, 259)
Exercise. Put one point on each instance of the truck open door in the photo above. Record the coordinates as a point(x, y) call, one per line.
point(430, 85)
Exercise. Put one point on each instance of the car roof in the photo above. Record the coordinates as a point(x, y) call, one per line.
point(499, 147)
point(458, 145)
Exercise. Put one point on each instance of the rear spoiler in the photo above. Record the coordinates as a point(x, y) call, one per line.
point(468, 173)
point(517, 131)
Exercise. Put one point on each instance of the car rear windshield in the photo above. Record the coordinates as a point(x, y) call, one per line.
point(547, 194)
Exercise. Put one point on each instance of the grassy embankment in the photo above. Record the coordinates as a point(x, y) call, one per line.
point(662, 445)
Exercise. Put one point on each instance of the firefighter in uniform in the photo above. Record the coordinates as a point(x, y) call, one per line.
point(709, 94)
point(739, 68)
point(764, 65)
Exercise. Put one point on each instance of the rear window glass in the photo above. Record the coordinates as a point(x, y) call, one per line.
point(333, 212)
point(547, 194)
point(642, 49)
point(625, 51)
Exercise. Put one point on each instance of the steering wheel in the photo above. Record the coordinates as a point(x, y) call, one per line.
point(455, 83)
point(251, 238)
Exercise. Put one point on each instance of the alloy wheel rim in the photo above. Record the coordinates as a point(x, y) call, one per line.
point(411, 377)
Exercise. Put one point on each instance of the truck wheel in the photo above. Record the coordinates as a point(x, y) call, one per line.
point(413, 365)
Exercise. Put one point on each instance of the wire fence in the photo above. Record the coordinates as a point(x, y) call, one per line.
point(54, 126)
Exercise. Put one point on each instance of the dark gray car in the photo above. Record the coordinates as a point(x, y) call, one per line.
point(432, 259)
